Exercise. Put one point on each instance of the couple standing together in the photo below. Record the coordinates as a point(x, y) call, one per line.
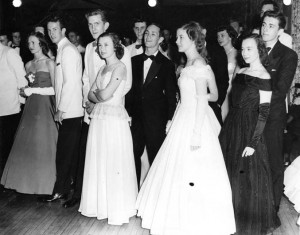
point(181, 194)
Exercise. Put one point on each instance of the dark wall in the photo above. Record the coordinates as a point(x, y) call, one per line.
point(170, 17)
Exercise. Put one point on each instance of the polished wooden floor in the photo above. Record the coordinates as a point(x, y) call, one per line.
point(22, 214)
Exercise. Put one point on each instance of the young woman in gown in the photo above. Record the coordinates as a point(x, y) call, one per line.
point(109, 184)
point(243, 143)
point(226, 37)
point(187, 190)
point(31, 164)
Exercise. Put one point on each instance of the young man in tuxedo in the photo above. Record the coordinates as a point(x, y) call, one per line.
point(282, 67)
point(139, 27)
point(270, 5)
point(98, 24)
point(152, 100)
point(69, 110)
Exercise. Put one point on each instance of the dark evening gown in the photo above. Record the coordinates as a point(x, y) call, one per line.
point(30, 167)
point(250, 177)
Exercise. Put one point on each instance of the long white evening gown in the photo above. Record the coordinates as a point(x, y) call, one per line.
point(109, 184)
point(188, 192)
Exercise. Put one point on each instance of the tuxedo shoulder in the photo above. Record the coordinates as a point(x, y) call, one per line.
point(289, 52)
point(137, 57)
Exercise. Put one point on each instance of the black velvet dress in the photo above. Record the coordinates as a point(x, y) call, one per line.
point(250, 177)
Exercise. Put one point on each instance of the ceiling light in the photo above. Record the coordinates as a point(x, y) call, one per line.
point(152, 3)
point(287, 2)
point(17, 3)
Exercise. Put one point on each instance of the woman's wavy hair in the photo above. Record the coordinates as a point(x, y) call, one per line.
point(231, 33)
point(42, 41)
point(194, 32)
point(262, 50)
point(116, 43)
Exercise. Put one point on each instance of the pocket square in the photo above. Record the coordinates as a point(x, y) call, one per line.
point(273, 70)
point(57, 64)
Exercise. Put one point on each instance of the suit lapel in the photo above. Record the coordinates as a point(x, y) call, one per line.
point(154, 68)
point(140, 70)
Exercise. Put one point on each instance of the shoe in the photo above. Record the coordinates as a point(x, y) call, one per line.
point(53, 197)
point(72, 202)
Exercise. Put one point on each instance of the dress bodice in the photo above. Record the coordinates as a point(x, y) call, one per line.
point(187, 84)
point(113, 107)
point(245, 91)
point(41, 79)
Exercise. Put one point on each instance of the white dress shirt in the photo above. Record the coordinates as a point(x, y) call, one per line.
point(81, 49)
point(147, 65)
point(12, 78)
point(134, 51)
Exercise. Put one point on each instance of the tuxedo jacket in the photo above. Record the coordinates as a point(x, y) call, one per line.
point(219, 65)
point(67, 80)
point(152, 101)
point(282, 68)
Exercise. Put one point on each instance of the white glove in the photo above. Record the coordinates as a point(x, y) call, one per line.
point(40, 91)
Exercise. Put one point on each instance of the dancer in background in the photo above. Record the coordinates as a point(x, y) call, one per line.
point(226, 37)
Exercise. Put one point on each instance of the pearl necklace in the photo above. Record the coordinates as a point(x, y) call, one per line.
point(229, 50)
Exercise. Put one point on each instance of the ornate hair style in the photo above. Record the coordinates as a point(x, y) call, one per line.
point(194, 32)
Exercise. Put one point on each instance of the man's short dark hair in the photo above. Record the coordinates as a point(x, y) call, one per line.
point(270, 2)
point(100, 12)
point(59, 19)
point(4, 33)
point(277, 15)
point(139, 20)
point(158, 26)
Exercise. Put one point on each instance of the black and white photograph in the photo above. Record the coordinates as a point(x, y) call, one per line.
point(149, 117)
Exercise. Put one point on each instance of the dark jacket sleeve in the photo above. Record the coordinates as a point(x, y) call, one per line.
point(286, 73)
point(218, 63)
point(171, 89)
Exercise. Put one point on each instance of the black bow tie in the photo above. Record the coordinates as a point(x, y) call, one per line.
point(269, 49)
point(138, 46)
point(146, 57)
point(15, 46)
